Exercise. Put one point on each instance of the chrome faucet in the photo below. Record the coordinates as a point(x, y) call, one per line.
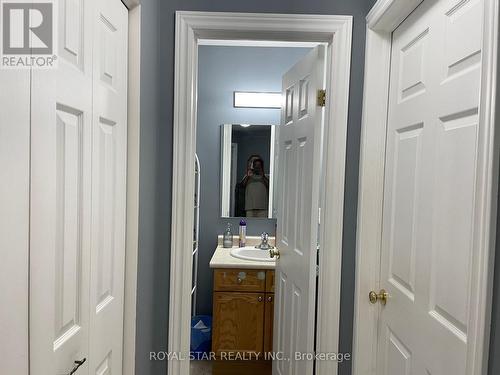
point(264, 244)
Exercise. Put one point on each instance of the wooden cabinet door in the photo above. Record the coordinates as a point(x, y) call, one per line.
point(238, 322)
point(270, 281)
point(268, 323)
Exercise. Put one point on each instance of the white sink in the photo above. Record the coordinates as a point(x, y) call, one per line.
point(251, 253)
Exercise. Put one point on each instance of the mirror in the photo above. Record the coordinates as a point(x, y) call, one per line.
point(247, 154)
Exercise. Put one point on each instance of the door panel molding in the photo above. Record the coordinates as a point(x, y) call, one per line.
point(191, 27)
point(384, 17)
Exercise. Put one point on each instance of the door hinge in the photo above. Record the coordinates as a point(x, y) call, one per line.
point(321, 98)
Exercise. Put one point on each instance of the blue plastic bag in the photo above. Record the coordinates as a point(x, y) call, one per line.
point(201, 335)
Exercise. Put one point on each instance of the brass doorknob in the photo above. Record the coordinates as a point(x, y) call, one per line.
point(381, 296)
point(274, 253)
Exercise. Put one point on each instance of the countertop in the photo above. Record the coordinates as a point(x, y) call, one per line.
point(223, 259)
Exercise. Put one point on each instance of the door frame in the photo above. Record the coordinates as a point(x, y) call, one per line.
point(381, 21)
point(190, 28)
point(133, 163)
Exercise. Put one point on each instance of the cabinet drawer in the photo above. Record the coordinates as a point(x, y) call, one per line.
point(239, 280)
point(270, 281)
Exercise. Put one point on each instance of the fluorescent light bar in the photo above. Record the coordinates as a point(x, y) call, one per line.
point(257, 99)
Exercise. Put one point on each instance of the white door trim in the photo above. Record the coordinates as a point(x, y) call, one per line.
point(384, 17)
point(190, 28)
point(14, 220)
point(133, 163)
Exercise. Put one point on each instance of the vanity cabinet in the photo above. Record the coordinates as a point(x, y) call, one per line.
point(243, 310)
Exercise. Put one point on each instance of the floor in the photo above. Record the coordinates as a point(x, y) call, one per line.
point(231, 368)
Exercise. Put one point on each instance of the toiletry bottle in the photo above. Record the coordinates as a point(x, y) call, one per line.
point(227, 240)
point(243, 233)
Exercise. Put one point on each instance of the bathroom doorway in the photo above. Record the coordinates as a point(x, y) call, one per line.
point(237, 148)
point(259, 161)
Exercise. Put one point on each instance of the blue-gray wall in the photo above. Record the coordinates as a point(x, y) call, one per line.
point(157, 75)
point(494, 365)
point(157, 80)
point(154, 199)
point(221, 71)
point(154, 196)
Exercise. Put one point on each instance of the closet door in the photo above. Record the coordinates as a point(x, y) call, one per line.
point(61, 136)
point(78, 160)
point(109, 155)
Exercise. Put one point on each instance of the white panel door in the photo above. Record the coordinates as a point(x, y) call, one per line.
point(109, 156)
point(61, 124)
point(299, 161)
point(78, 158)
point(427, 263)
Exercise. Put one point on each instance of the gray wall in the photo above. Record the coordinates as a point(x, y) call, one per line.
point(494, 363)
point(222, 70)
point(154, 201)
point(157, 75)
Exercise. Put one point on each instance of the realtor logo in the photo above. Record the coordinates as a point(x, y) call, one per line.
point(28, 34)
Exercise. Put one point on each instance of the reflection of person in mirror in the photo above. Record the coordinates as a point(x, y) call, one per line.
point(256, 188)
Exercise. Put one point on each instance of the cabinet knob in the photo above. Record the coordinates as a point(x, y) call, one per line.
point(259, 299)
point(270, 299)
point(239, 280)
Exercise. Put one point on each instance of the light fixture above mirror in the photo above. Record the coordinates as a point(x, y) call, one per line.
point(245, 99)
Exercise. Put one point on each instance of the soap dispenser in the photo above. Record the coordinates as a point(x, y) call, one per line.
point(227, 241)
